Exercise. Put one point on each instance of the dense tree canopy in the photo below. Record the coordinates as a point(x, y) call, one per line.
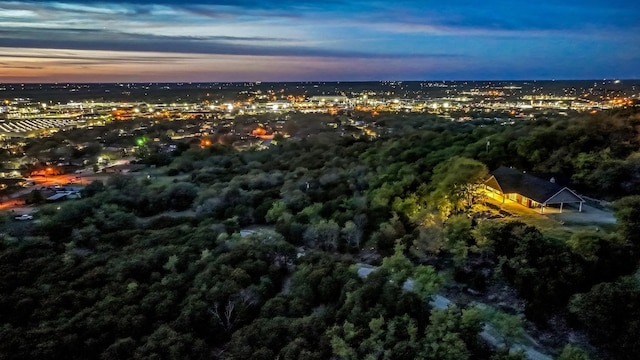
point(257, 254)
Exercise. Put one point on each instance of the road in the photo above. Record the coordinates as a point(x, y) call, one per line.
point(14, 201)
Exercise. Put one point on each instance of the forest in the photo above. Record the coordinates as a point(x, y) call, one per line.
point(256, 254)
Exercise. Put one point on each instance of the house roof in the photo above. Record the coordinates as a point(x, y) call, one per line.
point(510, 181)
point(57, 196)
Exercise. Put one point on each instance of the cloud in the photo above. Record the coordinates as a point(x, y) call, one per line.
point(105, 66)
point(237, 3)
point(109, 40)
point(97, 39)
point(9, 66)
point(456, 31)
point(307, 23)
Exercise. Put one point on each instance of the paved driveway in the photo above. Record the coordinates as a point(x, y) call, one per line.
point(589, 215)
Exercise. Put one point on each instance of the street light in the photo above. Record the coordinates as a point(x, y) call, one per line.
point(47, 171)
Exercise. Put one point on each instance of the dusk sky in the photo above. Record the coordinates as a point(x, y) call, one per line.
point(308, 40)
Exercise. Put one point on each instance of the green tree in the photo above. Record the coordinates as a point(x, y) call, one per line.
point(352, 234)
point(611, 314)
point(180, 196)
point(426, 281)
point(93, 188)
point(627, 211)
point(483, 235)
point(456, 183)
point(570, 352)
point(398, 265)
point(277, 212)
point(35, 197)
point(431, 239)
point(323, 234)
point(586, 244)
point(442, 338)
point(503, 354)
point(457, 232)
point(340, 338)
point(510, 327)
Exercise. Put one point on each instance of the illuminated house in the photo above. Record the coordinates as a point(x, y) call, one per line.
point(261, 133)
point(519, 187)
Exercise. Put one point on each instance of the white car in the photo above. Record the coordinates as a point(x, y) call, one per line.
point(24, 217)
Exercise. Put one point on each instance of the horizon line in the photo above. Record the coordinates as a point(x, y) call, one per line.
point(314, 81)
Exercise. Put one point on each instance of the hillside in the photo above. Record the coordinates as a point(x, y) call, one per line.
point(156, 265)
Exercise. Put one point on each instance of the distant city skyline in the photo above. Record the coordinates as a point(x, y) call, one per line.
point(309, 40)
